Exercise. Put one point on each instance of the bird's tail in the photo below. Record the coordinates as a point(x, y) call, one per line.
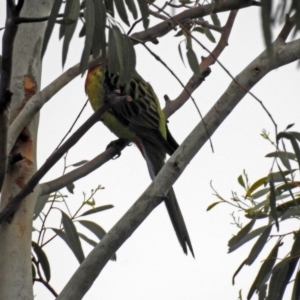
point(155, 161)
point(178, 222)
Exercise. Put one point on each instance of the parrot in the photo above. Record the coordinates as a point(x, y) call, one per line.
point(140, 121)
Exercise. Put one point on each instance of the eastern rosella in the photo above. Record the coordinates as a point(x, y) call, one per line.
point(140, 121)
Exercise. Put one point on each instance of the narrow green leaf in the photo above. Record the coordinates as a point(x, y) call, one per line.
point(258, 246)
point(40, 204)
point(277, 283)
point(82, 31)
point(89, 14)
point(88, 240)
point(98, 231)
point(198, 29)
point(94, 228)
point(132, 8)
point(99, 27)
point(82, 5)
point(193, 61)
point(291, 212)
point(264, 271)
point(296, 149)
point(286, 187)
point(256, 185)
point(294, 143)
point(256, 214)
point(101, 18)
point(273, 202)
point(262, 293)
point(73, 237)
point(280, 176)
point(288, 204)
point(295, 134)
point(69, 31)
point(212, 205)
point(122, 11)
point(113, 60)
point(70, 187)
point(266, 8)
point(72, 10)
point(62, 30)
point(42, 259)
point(289, 126)
point(80, 163)
point(144, 12)
point(180, 52)
point(129, 62)
point(241, 181)
point(209, 35)
point(179, 33)
point(248, 238)
point(50, 25)
point(241, 234)
point(124, 47)
point(71, 15)
point(93, 243)
point(96, 209)
point(215, 19)
point(110, 7)
point(62, 235)
point(260, 193)
point(280, 154)
point(33, 271)
point(238, 271)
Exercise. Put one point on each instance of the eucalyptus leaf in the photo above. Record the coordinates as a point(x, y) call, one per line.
point(40, 204)
point(42, 259)
point(73, 238)
point(96, 209)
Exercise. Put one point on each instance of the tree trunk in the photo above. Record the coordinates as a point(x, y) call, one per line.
point(15, 237)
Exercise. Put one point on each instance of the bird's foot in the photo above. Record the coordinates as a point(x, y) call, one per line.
point(118, 145)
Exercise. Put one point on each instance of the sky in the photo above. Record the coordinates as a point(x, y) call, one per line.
point(151, 265)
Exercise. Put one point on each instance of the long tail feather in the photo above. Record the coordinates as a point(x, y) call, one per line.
point(155, 161)
point(178, 222)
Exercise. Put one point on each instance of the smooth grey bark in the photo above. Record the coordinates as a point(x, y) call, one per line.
point(15, 237)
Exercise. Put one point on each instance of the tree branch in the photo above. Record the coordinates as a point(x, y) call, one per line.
point(60, 182)
point(195, 81)
point(9, 210)
point(287, 28)
point(88, 271)
point(36, 102)
point(5, 94)
point(200, 11)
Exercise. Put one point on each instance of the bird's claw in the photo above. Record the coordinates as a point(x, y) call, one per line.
point(118, 145)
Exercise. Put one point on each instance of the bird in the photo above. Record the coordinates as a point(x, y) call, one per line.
point(139, 120)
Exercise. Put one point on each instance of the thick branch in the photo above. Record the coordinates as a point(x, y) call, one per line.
point(287, 28)
point(36, 102)
point(88, 271)
point(191, 13)
point(195, 81)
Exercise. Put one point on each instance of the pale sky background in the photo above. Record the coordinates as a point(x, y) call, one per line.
point(151, 264)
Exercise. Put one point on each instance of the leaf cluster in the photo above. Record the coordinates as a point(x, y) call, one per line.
point(68, 229)
point(99, 30)
point(275, 199)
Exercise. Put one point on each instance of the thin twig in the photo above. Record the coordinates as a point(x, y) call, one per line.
point(47, 285)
